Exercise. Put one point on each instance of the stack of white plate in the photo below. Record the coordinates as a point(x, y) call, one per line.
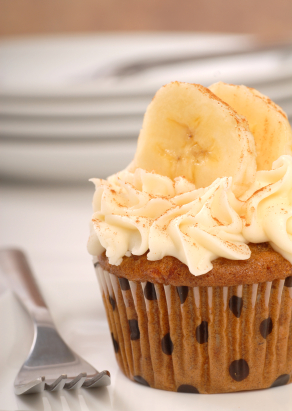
point(71, 107)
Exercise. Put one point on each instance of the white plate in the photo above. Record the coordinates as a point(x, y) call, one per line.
point(252, 70)
point(107, 106)
point(121, 127)
point(87, 108)
point(52, 226)
point(66, 65)
point(64, 162)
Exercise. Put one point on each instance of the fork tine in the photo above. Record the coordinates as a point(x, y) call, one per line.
point(58, 384)
point(102, 379)
point(77, 382)
point(32, 387)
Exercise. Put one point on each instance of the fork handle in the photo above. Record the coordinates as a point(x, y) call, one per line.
point(14, 266)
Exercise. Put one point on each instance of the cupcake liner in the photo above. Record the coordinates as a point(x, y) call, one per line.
point(200, 339)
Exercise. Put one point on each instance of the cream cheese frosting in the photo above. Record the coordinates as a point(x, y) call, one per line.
point(138, 212)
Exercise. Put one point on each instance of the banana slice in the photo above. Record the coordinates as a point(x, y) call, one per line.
point(187, 131)
point(267, 121)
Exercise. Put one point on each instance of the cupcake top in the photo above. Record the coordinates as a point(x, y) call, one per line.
point(208, 178)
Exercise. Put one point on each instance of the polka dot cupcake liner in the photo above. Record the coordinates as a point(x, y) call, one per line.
point(200, 339)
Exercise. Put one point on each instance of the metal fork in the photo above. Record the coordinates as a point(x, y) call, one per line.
point(51, 365)
point(136, 67)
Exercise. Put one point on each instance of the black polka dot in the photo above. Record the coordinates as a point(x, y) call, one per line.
point(282, 380)
point(266, 327)
point(235, 305)
point(202, 332)
point(134, 328)
point(115, 344)
point(166, 344)
point(239, 370)
point(96, 264)
point(288, 282)
point(183, 293)
point(149, 291)
point(112, 302)
point(124, 283)
point(188, 388)
point(141, 380)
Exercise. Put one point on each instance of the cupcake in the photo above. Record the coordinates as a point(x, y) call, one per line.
point(192, 243)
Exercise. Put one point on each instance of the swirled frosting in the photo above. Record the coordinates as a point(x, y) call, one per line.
point(267, 208)
point(141, 211)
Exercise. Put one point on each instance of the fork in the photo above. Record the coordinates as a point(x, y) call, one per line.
point(136, 67)
point(51, 365)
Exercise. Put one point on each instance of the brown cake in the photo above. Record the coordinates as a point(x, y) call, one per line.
point(192, 244)
point(228, 330)
point(263, 265)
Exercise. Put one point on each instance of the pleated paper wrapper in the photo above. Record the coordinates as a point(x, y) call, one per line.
point(200, 339)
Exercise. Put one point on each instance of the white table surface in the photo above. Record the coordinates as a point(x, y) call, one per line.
point(51, 225)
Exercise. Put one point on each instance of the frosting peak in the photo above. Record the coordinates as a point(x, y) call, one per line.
point(268, 208)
